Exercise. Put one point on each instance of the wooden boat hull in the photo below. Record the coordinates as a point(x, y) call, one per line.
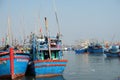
point(47, 68)
point(20, 65)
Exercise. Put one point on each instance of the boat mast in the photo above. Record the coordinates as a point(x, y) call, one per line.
point(23, 30)
point(40, 28)
point(9, 35)
point(59, 33)
point(56, 18)
point(48, 37)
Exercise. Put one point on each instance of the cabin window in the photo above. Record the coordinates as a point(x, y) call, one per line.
point(55, 55)
point(53, 43)
point(45, 55)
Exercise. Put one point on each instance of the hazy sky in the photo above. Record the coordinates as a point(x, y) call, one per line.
point(78, 19)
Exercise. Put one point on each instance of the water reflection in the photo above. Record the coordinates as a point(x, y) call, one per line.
point(91, 67)
point(112, 60)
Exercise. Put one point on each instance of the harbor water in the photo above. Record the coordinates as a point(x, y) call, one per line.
point(91, 67)
point(87, 67)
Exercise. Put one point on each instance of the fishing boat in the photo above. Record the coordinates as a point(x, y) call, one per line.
point(113, 51)
point(47, 56)
point(80, 51)
point(95, 48)
point(47, 59)
point(13, 63)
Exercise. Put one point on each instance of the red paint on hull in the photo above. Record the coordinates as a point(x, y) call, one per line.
point(15, 51)
point(12, 63)
point(38, 61)
point(48, 65)
point(16, 57)
point(47, 75)
point(6, 77)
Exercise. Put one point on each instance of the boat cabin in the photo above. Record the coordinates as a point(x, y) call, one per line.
point(44, 55)
point(43, 49)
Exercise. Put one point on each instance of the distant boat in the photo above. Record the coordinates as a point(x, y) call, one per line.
point(13, 63)
point(47, 58)
point(95, 48)
point(80, 51)
point(113, 51)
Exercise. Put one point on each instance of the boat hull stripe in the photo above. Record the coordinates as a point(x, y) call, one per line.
point(48, 65)
point(38, 61)
point(16, 57)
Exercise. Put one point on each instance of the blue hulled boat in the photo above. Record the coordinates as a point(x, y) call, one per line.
point(80, 51)
point(113, 51)
point(13, 63)
point(95, 48)
point(47, 58)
